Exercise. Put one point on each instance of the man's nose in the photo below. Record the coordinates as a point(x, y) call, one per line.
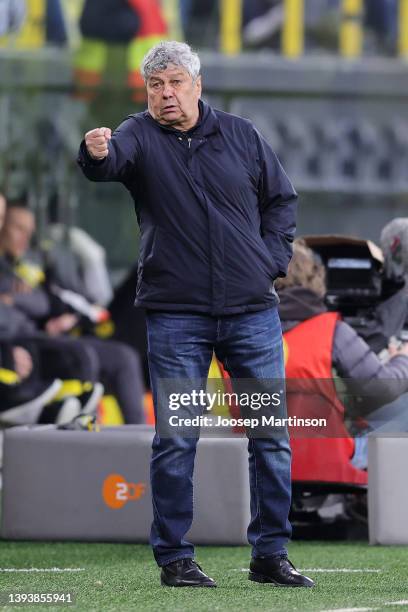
point(168, 91)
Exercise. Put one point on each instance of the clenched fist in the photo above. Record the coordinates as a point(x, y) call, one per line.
point(96, 142)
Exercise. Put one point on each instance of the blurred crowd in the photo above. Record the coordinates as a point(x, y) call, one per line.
point(57, 323)
point(139, 22)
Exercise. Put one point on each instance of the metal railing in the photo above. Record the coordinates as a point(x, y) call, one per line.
point(350, 36)
point(351, 30)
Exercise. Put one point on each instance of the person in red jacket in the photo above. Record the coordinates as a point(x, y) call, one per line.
point(135, 24)
point(318, 344)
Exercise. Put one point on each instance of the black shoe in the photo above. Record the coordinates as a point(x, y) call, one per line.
point(185, 573)
point(279, 572)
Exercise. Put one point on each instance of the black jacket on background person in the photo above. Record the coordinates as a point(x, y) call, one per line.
point(110, 21)
point(215, 208)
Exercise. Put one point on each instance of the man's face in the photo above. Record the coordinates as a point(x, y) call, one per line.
point(17, 232)
point(173, 96)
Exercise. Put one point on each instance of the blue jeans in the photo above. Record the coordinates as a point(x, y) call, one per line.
point(249, 345)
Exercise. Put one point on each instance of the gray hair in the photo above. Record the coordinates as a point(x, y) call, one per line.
point(394, 244)
point(170, 52)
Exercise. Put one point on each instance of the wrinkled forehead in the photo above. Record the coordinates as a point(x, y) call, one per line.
point(170, 72)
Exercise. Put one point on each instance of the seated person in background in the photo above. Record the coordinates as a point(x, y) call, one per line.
point(21, 386)
point(23, 286)
point(75, 261)
point(30, 361)
point(301, 295)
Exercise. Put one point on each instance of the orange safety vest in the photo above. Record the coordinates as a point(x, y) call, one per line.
point(91, 58)
point(152, 30)
point(311, 393)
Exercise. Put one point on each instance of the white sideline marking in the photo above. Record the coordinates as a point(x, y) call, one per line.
point(328, 570)
point(341, 569)
point(351, 609)
point(402, 602)
point(42, 569)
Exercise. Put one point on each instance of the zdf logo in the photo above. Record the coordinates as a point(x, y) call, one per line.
point(116, 491)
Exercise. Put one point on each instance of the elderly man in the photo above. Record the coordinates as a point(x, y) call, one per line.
point(217, 219)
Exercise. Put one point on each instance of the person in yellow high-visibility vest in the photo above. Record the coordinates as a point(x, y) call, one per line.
point(137, 24)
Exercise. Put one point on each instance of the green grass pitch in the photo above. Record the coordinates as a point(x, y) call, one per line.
point(125, 577)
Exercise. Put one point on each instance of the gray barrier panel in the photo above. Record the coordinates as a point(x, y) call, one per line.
point(94, 486)
point(388, 489)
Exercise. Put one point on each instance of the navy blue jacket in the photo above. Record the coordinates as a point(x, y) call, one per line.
point(215, 208)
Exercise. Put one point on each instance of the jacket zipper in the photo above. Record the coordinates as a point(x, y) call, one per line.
point(189, 142)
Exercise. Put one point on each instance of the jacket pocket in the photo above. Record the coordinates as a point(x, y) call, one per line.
point(271, 269)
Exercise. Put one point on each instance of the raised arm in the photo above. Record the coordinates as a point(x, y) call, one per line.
point(104, 156)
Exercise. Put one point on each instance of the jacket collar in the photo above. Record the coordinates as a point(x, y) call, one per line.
point(207, 125)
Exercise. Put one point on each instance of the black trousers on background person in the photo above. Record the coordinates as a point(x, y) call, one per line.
point(86, 359)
